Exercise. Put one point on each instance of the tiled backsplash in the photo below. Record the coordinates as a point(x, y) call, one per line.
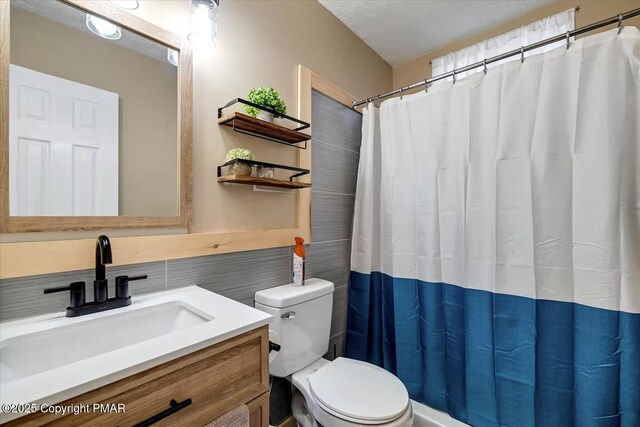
point(23, 297)
point(235, 275)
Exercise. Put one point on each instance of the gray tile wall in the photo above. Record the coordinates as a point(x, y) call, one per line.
point(23, 297)
point(335, 155)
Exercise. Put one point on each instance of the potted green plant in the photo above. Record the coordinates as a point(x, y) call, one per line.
point(240, 168)
point(266, 97)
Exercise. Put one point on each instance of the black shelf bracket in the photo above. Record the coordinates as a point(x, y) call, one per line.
point(305, 125)
point(299, 171)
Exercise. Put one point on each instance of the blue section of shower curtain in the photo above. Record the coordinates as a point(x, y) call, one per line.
point(498, 360)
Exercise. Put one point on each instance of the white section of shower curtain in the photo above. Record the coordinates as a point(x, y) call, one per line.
point(527, 34)
point(524, 181)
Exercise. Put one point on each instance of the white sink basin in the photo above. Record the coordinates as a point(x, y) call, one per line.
point(75, 342)
point(52, 358)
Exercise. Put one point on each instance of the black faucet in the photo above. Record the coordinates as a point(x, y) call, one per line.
point(103, 257)
point(101, 301)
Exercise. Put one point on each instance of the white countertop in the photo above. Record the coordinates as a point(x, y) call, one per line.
point(229, 319)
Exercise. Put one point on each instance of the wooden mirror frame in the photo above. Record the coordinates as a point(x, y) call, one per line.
point(110, 12)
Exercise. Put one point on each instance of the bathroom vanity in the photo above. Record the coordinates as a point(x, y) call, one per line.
point(181, 357)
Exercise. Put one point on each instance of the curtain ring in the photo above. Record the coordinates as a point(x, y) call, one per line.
point(401, 90)
point(522, 54)
point(568, 41)
point(484, 65)
point(425, 85)
point(619, 23)
point(454, 76)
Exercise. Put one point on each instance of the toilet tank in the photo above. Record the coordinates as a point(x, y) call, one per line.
point(302, 320)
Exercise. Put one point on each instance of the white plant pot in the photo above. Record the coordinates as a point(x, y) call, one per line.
point(266, 172)
point(266, 116)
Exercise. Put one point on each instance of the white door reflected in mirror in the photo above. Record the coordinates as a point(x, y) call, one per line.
point(63, 146)
point(93, 117)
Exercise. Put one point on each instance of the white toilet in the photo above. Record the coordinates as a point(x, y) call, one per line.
point(341, 393)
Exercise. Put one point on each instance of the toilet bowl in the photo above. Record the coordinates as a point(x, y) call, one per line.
point(348, 393)
point(339, 393)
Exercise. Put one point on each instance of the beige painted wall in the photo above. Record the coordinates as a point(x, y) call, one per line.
point(147, 89)
point(259, 43)
point(590, 11)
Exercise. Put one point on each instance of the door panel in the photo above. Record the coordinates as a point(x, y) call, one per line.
point(84, 114)
point(84, 180)
point(34, 104)
point(33, 165)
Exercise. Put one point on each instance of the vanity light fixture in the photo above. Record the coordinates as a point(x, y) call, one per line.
point(103, 28)
point(172, 56)
point(126, 4)
point(204, 21)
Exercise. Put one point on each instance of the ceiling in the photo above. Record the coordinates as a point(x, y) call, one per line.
point(402, 30)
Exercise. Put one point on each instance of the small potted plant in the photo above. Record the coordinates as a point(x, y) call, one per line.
point(239, 168)
point(266, 97)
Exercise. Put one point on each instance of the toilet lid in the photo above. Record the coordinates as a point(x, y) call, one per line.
point(356, 390)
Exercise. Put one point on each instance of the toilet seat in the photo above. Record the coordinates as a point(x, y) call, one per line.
point(358, 392)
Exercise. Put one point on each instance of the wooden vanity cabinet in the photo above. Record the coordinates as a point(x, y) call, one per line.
point(217, 379)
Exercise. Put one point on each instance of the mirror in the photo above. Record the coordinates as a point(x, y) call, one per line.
point(94, 116)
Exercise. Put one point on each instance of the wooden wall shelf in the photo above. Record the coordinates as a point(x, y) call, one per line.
point(267, 182)
point(262, 129)
point(253, 126)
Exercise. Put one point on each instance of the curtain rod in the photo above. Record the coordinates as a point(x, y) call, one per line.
point(587, 28)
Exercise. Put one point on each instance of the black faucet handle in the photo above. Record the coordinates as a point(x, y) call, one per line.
point(122, 285)
point(57, 289)
point(76, 296)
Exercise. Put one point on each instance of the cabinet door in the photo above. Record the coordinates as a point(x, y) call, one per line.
point(259, 411)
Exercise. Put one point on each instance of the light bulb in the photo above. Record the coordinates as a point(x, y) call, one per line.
point(103, 28)
point(200, 25)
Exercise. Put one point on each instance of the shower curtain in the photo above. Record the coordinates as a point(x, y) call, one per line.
point(496, 242)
